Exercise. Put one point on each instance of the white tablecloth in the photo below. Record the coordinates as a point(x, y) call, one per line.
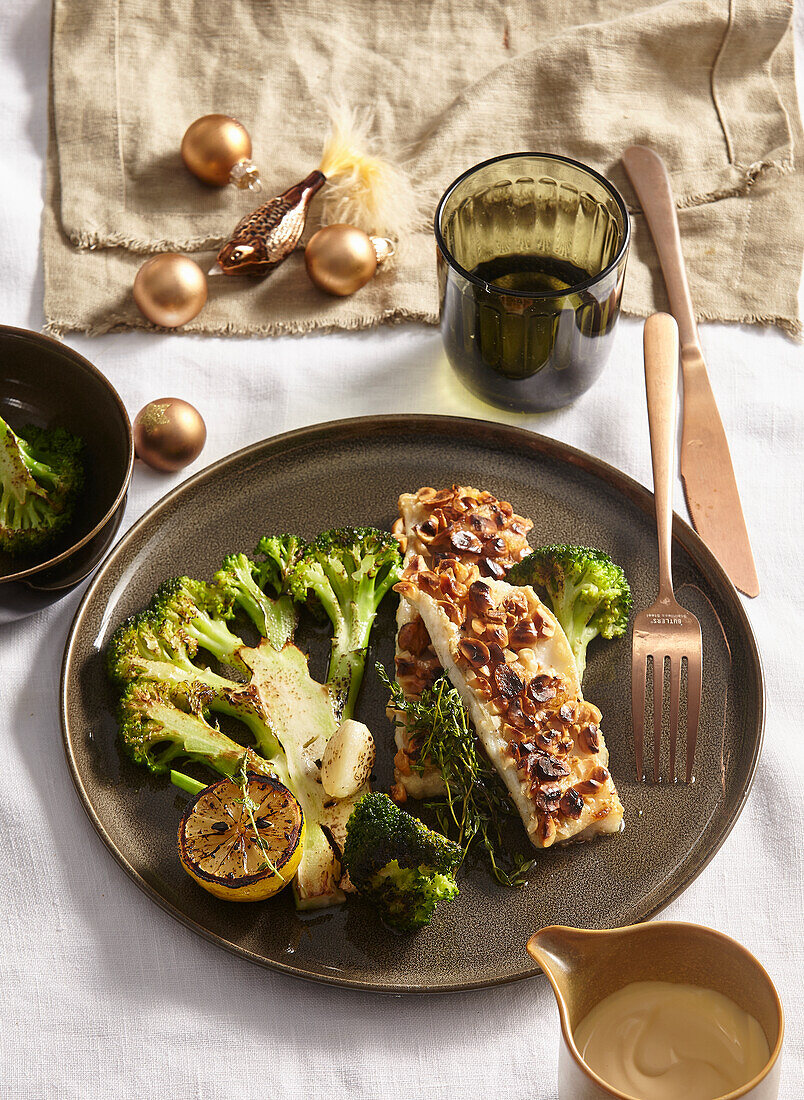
point(103, 994)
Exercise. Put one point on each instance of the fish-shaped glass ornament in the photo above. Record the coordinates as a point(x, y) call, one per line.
point(268, 235)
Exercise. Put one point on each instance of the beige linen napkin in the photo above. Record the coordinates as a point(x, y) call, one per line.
point(708, 83)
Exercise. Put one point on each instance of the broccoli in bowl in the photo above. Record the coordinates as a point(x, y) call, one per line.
point(41, 476)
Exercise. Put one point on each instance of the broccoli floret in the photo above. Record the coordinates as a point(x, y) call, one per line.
point(589, 593)
point(281, 552)
point(41, 476)
point(403, 868)
point(201, 611)
point(275, 619)
point(155, 732)
point(146, 647)
point(153, 648)
point(348, 571)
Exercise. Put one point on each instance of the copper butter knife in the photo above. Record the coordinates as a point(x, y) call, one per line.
point(706, 469)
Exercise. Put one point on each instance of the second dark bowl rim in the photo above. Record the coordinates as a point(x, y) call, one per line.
point(51, 344)
point(535, 295)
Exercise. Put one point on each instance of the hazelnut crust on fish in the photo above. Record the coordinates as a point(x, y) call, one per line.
point(466, 524)
point(512, 664)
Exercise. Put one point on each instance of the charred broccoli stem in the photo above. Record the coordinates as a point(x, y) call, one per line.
point(156, 733)
point(274, 618)
point(399, 865)
point(589, 593)
point(41, 476)
point(348, 572)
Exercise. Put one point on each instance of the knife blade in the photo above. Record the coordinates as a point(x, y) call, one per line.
point(707, 473)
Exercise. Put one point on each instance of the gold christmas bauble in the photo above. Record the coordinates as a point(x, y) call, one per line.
point(169, 433)
point(340, 259)
point(170, 289)
point(214, 146)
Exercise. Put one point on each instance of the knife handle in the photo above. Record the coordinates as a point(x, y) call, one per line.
point(651, 183)
point(660, 339)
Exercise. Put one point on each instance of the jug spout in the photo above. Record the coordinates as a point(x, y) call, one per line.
point(566, 956)
point(584, 965)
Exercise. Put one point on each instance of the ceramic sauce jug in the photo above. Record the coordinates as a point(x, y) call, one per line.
point(584, 967)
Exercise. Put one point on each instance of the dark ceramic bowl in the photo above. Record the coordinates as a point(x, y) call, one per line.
point(44, 382)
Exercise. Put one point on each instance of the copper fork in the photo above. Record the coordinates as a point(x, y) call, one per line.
point(666, 632)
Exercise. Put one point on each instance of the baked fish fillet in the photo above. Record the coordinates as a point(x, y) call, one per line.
point(469, 525)
point(511, 662)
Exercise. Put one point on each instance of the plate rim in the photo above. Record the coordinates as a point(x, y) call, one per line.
point(380, 424)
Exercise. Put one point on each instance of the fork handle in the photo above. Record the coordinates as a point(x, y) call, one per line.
point(661, 383)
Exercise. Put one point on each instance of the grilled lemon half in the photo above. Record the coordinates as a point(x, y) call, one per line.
point(242, 840)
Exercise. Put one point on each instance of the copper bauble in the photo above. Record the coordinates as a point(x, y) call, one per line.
point(169, 433)
point(340, 259)
point(217, 149)
point(170, 289)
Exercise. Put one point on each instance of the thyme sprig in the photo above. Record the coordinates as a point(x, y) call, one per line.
point(475, 806)
point(241, 778)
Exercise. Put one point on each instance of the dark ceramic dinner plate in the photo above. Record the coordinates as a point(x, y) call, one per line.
point(352, 472)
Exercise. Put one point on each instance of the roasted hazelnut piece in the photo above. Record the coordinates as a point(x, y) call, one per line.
point(507, 681)
point(483, 526)
point(571, 804)
point(589, 738)
point(495, 547)
point(496, 632)
point(523, 633)
point(404, 667)
point(547, 830)
point(430, 583)
point(547, 799)
point(427, 530)
point(479, 598)
point(475, 651)
point(546, 767)
point(516, 604)
point(464, 542)
point(413, 637)
point(449, 586)
point(541, 690)
point(594, 782)
point(489, 568)
point(522, 722)
point(451, 610)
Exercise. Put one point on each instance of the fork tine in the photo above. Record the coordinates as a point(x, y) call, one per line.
point(658, 709)
point(694, 673)
point(675, 695)
point(638, 671)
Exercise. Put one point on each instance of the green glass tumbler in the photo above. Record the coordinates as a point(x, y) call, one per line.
point(532, 249)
